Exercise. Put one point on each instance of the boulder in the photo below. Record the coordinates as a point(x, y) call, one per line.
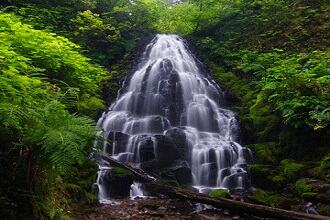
point(118, 182)
point(182, 172)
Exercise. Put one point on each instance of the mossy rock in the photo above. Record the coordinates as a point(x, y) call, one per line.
point(312, 189)
point(222, 193)
point(121, 172)
point(316, 172)
point(309, 196)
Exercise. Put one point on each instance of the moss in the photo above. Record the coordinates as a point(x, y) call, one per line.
point(309, 195)
point(169, 182)
point(290, 169)
point(121, 172)
point(222, 193)
point(271, 199)
point(278, 179)
point(324, 209)
point(315, 172)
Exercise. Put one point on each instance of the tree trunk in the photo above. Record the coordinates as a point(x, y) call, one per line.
point(235, 206)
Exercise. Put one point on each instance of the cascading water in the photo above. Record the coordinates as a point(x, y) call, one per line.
point(168, 120)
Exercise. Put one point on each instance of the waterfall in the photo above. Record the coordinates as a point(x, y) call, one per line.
point(169, 119)
point(136, 190)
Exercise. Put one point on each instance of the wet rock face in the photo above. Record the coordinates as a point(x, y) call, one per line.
point(179, 138)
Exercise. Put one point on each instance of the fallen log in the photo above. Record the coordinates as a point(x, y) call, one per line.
point(235, 206)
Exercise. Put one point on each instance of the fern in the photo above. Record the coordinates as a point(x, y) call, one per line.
point(63, 137)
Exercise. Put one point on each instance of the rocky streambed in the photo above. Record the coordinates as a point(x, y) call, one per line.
point(151, 208)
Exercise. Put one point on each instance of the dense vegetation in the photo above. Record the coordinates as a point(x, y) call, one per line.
point(56, 57)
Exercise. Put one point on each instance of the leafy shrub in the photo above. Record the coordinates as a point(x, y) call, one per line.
point(37, 131)
point(52, 55)
point(303, 187)
point(297, 85)
point(290, 169)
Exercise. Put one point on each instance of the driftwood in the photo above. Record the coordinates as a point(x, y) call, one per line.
point(235, 206)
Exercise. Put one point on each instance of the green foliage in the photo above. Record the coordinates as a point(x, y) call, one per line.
point(269, 198)
point(79, 180)
point(325, 162)
point(265, 152)
point(174, 18)
point(222, 193)
point(290, 169)
point(41, 139)
point(303, 187)
point(296, 85)
point(279, 179)
point(325, 167)
point(55, 56)
point(106, 30)
point(51, 211)
point(279, 50)
point(30, 104)
point(63, 137)
point(94, 33)
point(89, 105)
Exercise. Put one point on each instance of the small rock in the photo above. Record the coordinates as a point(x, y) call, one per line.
point(310, 209)
point(236, 218)
point(226, 212)
point(161, 210)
